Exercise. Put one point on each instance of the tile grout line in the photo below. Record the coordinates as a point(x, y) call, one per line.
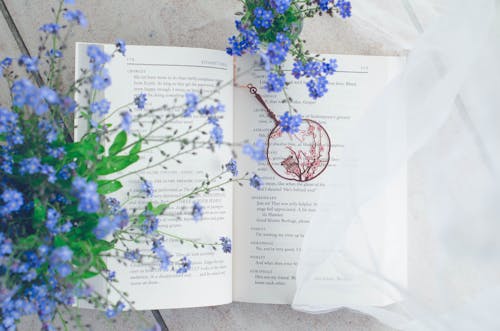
point(17, 36)
point(159, 319)
point(24, 50)
point(22, 47)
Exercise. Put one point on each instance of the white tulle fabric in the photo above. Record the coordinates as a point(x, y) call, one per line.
point(449, 96)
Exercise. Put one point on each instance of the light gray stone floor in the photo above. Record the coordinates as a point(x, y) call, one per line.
point(205, 24)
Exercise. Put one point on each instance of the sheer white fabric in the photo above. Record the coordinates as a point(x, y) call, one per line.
point(449, 96)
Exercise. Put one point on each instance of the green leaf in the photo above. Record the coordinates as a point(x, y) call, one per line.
point(102, 246)
point(39, 211)
point(108, 186)
point(99, 264)
point(136, 148)
point(89, 274)
point(111, 164)
point(119, 142)
point(59, 241)
point(158, 210)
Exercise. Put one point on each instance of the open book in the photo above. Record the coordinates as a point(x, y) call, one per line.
point(266, 226)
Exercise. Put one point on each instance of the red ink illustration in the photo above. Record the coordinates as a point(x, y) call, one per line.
point(301, 156)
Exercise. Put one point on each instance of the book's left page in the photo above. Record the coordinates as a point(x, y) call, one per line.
point(165, 75)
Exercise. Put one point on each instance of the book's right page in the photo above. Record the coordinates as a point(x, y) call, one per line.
point(270, 224)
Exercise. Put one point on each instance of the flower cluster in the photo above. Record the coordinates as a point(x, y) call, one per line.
point(290, 123)
point(57, 219)
point(257, 151)
point(272, 29)
point(211, 112)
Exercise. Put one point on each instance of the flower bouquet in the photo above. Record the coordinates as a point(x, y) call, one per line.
point(58, 217)
point(271, 29)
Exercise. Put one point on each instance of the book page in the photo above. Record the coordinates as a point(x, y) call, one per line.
point(166, 74)
point(270, 224)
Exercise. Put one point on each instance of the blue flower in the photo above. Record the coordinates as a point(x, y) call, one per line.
point(324, 4)
point(248, 40)
point(43, 250)
point(68, 105)
point(276, 53)
point(110, 313)
point(197, 211)
point(280, 6)
point(66, 227)
point(50, 131)
point(120, 306)
point(298, 69)
point(217, 134)
point(76, 16)
point(126, 121)
point(104, 227)
point(256, 182)
point(275, 83)
point(30, 166)
point(317, 71)
point(263, 18)
point(191, 103)
point(52, 28)
point(6, 247)
point(162, 254)
point(257, 151)
point(185, 265)
point(133, 255)
point(49, 171)
point(290, 123)
point(329, 68)
point(111, 275)
point(7, 162)
point(31, 63)
point(113, 312)
point(313, 69)
point(8, 120)
point(54, 53)
point(317, 88)
point(150, 223)
point(140, 100)
point(48, 95)
point(61, 254)
point(226, 244)
point(13, 200)
point(101, 107)
point(66, 171)
point(344, 8)
point(212, 109)
point(147, 188)
point(232, 167)
point(63, 269)
point(97, 57)
point(52, 220)
point(121, 46)
point(86, 194)
point(101, 80)
point(22, 92)
point(5, 63)
point(122, 218)
point(113, 205)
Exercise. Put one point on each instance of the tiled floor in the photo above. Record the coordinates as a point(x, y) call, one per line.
point(194, 23)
